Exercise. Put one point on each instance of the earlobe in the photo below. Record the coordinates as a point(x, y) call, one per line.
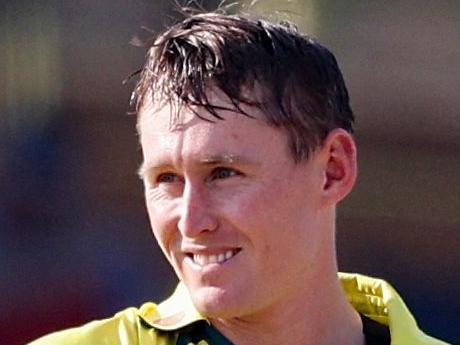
point(340, 169)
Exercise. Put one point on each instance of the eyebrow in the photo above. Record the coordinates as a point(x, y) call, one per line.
point(142, 170)
point(226, 159)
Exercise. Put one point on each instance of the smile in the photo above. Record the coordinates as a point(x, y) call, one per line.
point(203, 259)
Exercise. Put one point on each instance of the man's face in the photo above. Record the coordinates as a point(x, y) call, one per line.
point(235, 216)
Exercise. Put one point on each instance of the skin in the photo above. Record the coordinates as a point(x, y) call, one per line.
point(232, 187)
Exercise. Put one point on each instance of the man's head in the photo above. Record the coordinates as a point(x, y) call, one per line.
point(297, 81)
point(242, 181)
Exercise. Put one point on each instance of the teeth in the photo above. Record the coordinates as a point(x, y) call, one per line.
point(212, 259)
point(203, 260)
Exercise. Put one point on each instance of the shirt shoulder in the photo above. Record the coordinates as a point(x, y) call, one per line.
point(150, 324)
point(379, 301)
point(125, 328)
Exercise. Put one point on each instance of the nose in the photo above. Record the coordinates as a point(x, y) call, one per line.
point(196, 215)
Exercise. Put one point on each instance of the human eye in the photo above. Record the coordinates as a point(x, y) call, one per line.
point(221, 173)
point(167, 178)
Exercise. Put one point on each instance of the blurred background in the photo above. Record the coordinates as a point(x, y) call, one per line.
point(75, 243)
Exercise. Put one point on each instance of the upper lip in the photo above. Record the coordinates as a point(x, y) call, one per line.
point(206, 250)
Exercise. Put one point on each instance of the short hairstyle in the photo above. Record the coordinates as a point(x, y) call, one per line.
point(302, 88)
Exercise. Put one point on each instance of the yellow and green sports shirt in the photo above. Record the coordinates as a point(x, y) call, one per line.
point(176, 321)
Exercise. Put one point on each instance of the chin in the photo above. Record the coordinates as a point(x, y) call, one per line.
point(215, 302)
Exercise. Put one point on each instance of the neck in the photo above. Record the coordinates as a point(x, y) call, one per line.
point(319, 313)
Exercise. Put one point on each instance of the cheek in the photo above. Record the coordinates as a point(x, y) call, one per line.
point(163, 223)
point(269, 201)
point(258, 208)
point(276, 217)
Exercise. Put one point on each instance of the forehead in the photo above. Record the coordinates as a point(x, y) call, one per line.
point(165, 137)
point(196, 123)
point(166, 115)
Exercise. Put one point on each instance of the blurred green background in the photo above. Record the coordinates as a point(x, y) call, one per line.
point(75, 243)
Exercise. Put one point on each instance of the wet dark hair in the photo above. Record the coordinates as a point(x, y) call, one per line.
point(302, 90)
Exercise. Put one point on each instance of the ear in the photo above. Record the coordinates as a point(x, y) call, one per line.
point(340, 169)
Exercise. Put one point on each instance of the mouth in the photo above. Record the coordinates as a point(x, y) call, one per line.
point(208, 259)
